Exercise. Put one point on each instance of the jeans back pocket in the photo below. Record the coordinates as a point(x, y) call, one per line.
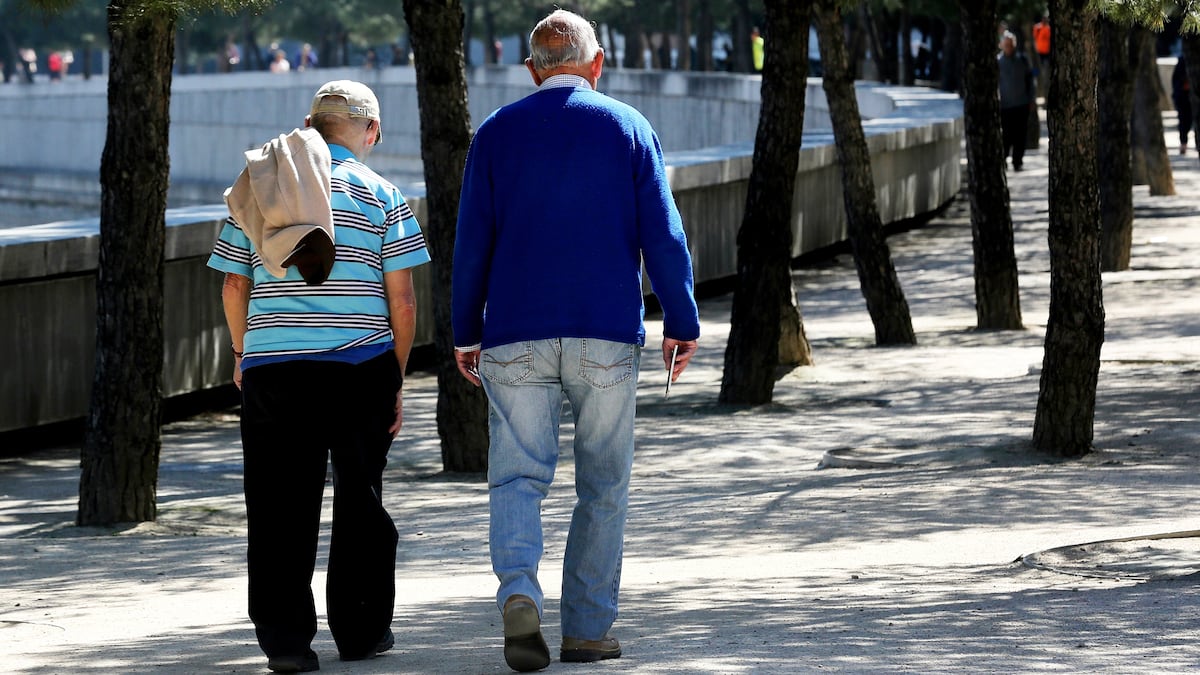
point(605, 364)
point(507, 364)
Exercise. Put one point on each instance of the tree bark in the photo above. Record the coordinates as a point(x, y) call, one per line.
point(489, 31)
point(763, 299)
point(1075, 329)
point(634, 47)
point(882, 25)
point(436, 29)
point(122, 440)
point(1115, 103)
point(876, 273)
point(468, 31)
point(683, 10)
point(704, 36)
point(952, 47)
point(997, 293)
point(1151, 161)
point(743, 61)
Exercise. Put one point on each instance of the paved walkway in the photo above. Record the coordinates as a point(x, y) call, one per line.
point(883, 515)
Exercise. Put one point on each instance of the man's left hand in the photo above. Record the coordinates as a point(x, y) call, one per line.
point(395, 428)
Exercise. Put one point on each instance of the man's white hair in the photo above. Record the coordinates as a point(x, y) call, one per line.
point(562, 39)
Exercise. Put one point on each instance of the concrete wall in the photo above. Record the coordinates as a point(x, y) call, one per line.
point(47, 272)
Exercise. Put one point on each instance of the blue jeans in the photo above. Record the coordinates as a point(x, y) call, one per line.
point(525, 384)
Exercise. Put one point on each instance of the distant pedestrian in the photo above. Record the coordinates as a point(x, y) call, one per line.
point(1042, 43)
point(279, 62)
point(232, 57)
point(54, 64)
point(306, 58)
point(757, 49)
point(28, 63)
point(1181, 95)
point(1016, 98)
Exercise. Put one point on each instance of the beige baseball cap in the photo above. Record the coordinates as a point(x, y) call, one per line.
point(360, 100)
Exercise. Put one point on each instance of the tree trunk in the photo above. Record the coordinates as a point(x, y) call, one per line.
point(763, 299)
point(683, 10)
point(1075, 329)
point(119, 461)
point(883, 26)
point(876, 273)
point(489, 31)
point(907, 65)
point(634, 49)
point(1114, 107)
point(952, 58)
point(436, 29)
point(468, 31)
point(1151, 161)
point(252, 55)
point(997, 296)
point(743, 61)
point(182, 51)
point(610, 49)
point(856, 42)
point(704, 35)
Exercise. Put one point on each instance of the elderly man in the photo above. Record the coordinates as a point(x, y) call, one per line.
point(564, 196)
point(320, 356)
point(1017, 98)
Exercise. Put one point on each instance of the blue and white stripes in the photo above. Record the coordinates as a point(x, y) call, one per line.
point(374, 232)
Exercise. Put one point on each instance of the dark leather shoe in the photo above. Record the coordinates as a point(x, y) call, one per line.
point(301, 663)
point(388, 641)
point(586, 651)
point(385, 643)
point(525, 649)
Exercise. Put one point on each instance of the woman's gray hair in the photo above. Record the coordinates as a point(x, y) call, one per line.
point(562, 39)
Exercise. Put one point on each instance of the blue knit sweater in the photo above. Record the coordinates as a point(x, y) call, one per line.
point(564, 194)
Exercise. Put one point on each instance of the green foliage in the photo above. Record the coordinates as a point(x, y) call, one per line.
point(1152, 14)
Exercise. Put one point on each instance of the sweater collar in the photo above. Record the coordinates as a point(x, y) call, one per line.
point(564, 80)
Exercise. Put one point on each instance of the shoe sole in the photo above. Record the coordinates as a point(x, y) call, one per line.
point(290, 664)
point(587, 655)
point(525, 649)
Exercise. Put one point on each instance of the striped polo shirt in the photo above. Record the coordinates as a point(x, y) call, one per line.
point(346, 317)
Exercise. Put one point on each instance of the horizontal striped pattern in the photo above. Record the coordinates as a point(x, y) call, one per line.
point(374, 231)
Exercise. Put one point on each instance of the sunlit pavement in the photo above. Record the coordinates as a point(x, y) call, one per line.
point(884, 514)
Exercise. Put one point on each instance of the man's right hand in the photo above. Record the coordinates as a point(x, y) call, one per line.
point(468, 365)
point(687, 349)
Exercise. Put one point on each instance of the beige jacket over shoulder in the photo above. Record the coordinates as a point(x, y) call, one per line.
point(283, 195)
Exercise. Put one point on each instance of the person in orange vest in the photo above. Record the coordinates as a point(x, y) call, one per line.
point(1041, 41)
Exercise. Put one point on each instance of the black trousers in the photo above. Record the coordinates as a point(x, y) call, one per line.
point(1014, 126)
point(297, 416)
point(1183, 106)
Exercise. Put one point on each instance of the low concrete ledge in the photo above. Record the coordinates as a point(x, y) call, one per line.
point(47, 272)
